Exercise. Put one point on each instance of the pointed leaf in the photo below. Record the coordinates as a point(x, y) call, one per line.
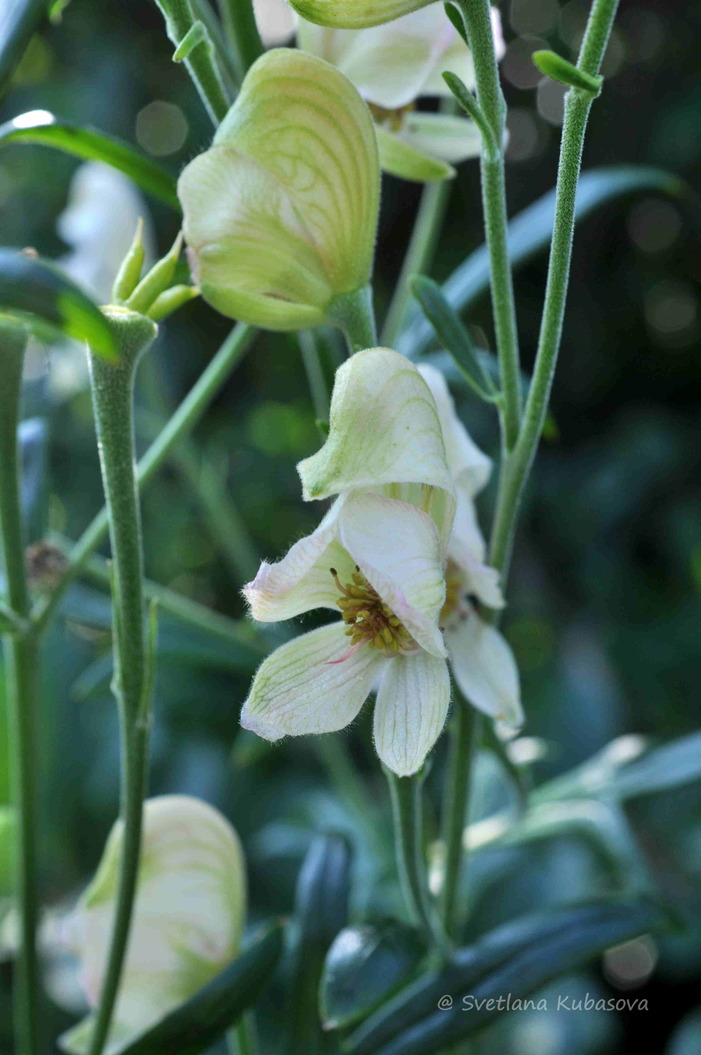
point(202, 1020)
point(516, 959)
point(365, 966)
point(38, 293)
point(82, 141)
point(452, 335)
point(531, 231)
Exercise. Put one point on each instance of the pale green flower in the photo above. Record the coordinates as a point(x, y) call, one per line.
point(381, 562)
point(188, 916)
point(355, 14)
point(280, 214)
point(394, 65)
point(393, 429)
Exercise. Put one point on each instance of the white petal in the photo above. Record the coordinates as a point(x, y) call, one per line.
point(458, 59)
point(188, 915)
point(384, 429)
point(307, 686)
point(397, 548)
point(410, 711)
point(469, 466)
point(302, 580)
point(443, 136)
point(485, 669)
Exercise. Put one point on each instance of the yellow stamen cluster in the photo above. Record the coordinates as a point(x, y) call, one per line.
point(454, 590)
point(370, 621)
point(390, 119)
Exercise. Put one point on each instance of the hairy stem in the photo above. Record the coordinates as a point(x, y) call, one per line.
point(354, 315)
point(240, 24)
point(464, 735)
point(19, 673)
point(200, 63)
point(518, 464)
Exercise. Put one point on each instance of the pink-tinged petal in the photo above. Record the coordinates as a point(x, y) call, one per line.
point(302, 580)
point(410, 712)
point(485, 670)
point(301, 688)
point(398, 550)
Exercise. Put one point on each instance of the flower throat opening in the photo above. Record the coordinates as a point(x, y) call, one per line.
point(369, 620)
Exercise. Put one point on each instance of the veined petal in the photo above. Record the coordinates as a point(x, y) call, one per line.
point(188, 915)
point(469, 467)
point(443, 136)
point(398, 550)
point(410, 712)
point(484, 668)
point(280, 213)
point(307, 686)
point(384, 429)
point(390, 64)
point(302, 580)
point(401, 157)
point(354, 14)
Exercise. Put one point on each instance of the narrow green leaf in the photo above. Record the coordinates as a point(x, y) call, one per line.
point(559, 69)
point(365, 966)
point(20, 20)
point(531, 231)
point(452, 335)
point(514, 960)
point(321, 911)
point(37, 292)
point(455, 16)
point(7, 839)
point(203, 1019)
point(469, 104)
point(81, 141)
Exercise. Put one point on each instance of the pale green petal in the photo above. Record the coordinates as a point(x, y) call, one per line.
point(469, 467)
point(302, 580)
point(310, 685)
point(384, 429)
point(444, 136)
point(403, 159)
point(398, 550)
point(354, 14)
point(458, 60)
point(280, 214)
point(485, 670)
point(410, 712)
point(188, 916)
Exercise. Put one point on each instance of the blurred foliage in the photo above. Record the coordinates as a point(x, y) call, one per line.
point(606, 586)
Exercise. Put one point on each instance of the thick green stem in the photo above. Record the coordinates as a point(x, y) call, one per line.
point(354, 315)
point(518, 464)
point(19, 672)
point(200, 63)
point(464, 734)
point(422, 246)
point(408, 836)
point(491, 102)
point(113, 397)
point(181, 424)
point(240, 24)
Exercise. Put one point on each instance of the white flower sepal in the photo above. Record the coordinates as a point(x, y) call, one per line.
point(188, 916)
point(381, 562)
point(392, 66)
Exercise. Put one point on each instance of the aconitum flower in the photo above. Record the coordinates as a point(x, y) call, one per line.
point(380, 562)
point(393, 429)
point(355, 14)
point(280, 214)
point(188, 916)
point(393, 66)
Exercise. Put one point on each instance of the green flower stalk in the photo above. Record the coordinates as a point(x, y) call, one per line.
point(281, 212)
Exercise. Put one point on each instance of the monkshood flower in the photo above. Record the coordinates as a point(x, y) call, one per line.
point(380, 561)
point(280, 214)
point(355, 14)
point(393, 429)
point(394, 65)
point(188, 917)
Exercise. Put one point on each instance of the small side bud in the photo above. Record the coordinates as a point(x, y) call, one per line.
point(156, 281)
point(171, 300)
point(130, 271)
point(561, 70)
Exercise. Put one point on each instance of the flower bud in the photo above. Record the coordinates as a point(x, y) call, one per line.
point(187, 921)
point(354, 14)
point(281, 211)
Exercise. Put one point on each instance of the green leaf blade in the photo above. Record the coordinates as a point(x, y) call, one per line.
point(40, 127)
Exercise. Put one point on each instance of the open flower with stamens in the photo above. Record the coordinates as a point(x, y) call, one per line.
point(393, 66)
point(380, 561)
point(394, 430)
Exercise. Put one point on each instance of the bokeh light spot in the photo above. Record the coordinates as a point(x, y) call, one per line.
point(161, 128)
